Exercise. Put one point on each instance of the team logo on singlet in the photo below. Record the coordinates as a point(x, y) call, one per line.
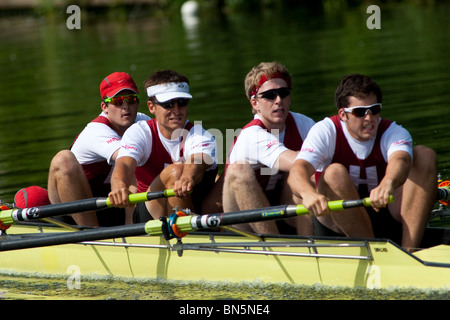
point(371, 173)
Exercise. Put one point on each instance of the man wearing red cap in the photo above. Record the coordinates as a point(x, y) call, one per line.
point(265, 149)
point(84, 170)
point(167, 152)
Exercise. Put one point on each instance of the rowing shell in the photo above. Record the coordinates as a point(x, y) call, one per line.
point(229, 257)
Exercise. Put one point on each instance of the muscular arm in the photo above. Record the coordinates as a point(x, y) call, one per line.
point(193, 170)
point(286, 160)
point(397, 172)
point(299, 181)
point(121, 180)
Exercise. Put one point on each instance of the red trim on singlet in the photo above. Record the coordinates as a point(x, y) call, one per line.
point(292, 141)
point(97, 172)
point(344, 154)
point(158, 160)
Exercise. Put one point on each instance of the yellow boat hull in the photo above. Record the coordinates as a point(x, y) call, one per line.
point(231, 258)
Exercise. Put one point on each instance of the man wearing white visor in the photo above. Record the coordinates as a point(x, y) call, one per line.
point(167, 152)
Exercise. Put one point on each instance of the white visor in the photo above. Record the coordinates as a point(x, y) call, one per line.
point(168, 91)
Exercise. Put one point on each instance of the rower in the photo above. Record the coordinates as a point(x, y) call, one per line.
point(265, 149)
point(83, 171)
point(359, 154)
point(167, 152)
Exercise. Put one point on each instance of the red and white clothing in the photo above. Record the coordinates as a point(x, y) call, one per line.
point(261, 148)
point(330, 142)
point(95, 146)
point(153, 152)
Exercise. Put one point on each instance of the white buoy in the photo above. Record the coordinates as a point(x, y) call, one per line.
point(189, 8)
point(189, 14)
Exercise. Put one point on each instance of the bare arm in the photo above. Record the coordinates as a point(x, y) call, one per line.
point(286, 160)
point(121, 180)
point(193, 170)
point(299, 181)
point(397, 172)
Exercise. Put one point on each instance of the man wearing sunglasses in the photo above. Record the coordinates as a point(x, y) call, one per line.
point(359, 155)
point(84, 170)
point(265, 149)
point(167, 152)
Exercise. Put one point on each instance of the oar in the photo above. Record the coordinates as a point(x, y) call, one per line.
point(182, 224)
point(9, 217)
point(176, 226)
point(173, 224)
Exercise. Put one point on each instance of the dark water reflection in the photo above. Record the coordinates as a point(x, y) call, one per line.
point(50, 75)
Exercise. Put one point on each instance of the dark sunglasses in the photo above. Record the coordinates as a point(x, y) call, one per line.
point(119, 100)
point(360, 112)
point(274, 93)
point(171, 103)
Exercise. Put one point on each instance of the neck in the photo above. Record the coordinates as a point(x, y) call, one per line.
point(169, 133)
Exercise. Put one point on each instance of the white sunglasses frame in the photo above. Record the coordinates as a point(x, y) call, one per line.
point(349, 110)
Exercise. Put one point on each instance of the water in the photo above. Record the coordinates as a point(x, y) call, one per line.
point(35, 287)
point(50, 76)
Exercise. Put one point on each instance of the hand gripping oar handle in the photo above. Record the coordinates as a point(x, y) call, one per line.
point(185, 224)
point(8, 217)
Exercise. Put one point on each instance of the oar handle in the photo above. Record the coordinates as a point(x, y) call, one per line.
point(147, 196)
point(338, 205)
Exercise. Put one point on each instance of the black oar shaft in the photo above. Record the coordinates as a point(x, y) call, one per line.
point(72, 237)
point(186, 224)
point(8, 217)
point(30, 214)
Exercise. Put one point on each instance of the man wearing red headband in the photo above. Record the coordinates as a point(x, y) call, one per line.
point(84, 170)
point(359, 154)
point(265, 149)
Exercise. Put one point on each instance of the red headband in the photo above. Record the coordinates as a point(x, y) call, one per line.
point(264, 78)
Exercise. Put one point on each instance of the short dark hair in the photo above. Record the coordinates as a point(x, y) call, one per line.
point(165, 76)
point(355, 85)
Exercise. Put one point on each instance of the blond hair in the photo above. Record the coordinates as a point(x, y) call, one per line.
point(265, 71)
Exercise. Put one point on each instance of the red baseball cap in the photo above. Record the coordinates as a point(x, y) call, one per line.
point(116, 82)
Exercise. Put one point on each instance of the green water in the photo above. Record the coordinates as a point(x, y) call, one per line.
point(50, 76)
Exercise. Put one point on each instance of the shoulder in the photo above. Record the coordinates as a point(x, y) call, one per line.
point(393, 126)
point(303, 123)
point(396, 134)
point(138, 128)
point(142, 117)
point(299, 117)
point(325, 125)
point(252, 133)
point(197, 130)
point(100, 126)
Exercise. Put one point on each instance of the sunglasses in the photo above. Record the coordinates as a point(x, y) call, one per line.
point(119, 100)
point(361, 111)
point(274, 93)
point(171, 103)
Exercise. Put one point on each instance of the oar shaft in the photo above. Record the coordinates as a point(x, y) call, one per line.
point(183, 223)
point(215, 220)
point(8, 217)
point(73, 237)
